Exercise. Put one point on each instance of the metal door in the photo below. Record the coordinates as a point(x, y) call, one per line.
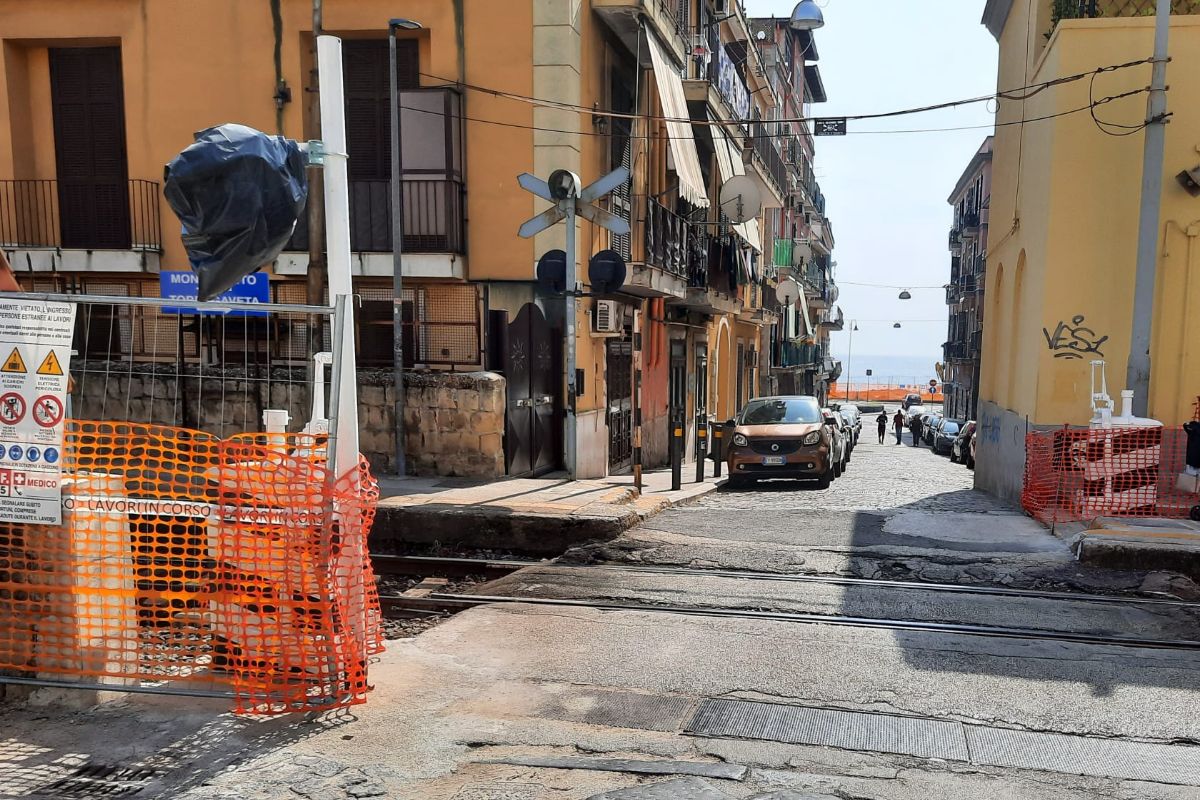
point(533, 418)
point(619, 375)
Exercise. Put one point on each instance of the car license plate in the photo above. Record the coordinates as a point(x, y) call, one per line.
point(774, 461)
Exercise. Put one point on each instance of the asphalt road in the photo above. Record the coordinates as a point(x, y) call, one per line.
point(517, 701)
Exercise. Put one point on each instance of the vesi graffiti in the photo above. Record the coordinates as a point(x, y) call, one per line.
point(1074, 340)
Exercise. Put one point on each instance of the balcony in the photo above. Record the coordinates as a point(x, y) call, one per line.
point(669, 244)
point(835, 320)
point(783, 253)
point(435, 234)
point(1090, 9)
point(768, 163)
point(96, 227)
point(952, 294)
point(711, 274)
point(969, 223)
point(955, 240)
point(624, 18)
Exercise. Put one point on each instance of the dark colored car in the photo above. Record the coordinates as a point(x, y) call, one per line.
point(944, 435)
point(870, 409)
point(854, 422)
point(963, 450)
point(929, 424)
point(911, 400)
point(782, 437)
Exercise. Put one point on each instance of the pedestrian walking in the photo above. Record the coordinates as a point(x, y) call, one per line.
point(882, 420)
point(917, 429)
point(898, 424)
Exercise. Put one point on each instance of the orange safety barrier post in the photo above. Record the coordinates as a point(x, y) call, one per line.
point(194, 564)
point(1075, 475)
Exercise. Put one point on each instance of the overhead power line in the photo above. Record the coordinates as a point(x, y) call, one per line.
point(522, 126)
point(1019, 93)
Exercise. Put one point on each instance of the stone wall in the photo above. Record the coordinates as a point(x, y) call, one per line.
point(454, 422)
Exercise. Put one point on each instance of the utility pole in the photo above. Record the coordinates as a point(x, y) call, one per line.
point(397, 193)
point(1138, 371)
point(317, 272)
point(569, 423)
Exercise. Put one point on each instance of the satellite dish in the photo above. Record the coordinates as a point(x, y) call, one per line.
point(606, 272)
point(740, 199)
point(552, 271)
point(788, 292)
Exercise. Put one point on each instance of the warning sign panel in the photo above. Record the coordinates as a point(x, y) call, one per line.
point(14, 362)
point(33, 408)
point(50, 365)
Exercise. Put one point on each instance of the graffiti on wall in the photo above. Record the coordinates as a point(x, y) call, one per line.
point(1074, 340)
point(989, 427)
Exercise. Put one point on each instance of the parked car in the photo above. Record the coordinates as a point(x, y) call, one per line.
point(853, 421)
point(840, 440)
point(913, 411)
point(782, 437)
point(961, 451)
point(870, 409)
point(929, 423)
point(944, 435)
point(910, 400)
point(971, 450)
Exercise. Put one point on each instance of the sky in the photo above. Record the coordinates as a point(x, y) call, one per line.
point(886, 193)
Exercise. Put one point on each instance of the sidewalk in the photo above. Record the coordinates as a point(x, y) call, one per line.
point(1167, 545)
point(532, 515)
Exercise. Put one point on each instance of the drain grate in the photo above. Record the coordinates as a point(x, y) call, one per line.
point(99, 780)
point(613, 709)
point(1076, 755)
point(500, 791)
point(848, 730)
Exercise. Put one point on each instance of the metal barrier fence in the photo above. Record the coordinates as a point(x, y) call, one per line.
point(197, 555)
point(1074, 475)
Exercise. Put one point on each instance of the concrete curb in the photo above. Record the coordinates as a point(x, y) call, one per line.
point(498, 528)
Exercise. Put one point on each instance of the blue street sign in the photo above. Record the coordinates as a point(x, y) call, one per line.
point(184, 284)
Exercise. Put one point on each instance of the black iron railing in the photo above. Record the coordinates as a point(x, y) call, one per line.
point(434, 217)
point(100, 216)
point(764, 148)
point(666, 239)
point(1088, 9)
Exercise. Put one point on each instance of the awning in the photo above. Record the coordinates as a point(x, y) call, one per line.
point(730, 163)
point(683, 142)
point(803, 303)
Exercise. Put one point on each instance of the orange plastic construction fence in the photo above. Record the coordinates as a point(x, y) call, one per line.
point(880, 394)
point(190, 563)
point(1077, 475)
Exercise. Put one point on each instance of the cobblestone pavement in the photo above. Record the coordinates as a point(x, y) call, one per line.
point(899, 512)
point(880, 476)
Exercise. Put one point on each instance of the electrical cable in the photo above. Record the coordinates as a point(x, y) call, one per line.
point(1008, 94)
point(521, 126)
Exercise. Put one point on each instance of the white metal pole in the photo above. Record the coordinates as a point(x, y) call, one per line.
point(569, 445)
point(397, 259)
point(850, 361)
point(337, 236)
point(1137, 375)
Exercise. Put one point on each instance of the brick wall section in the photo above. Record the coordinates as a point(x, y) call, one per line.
point(454, 423)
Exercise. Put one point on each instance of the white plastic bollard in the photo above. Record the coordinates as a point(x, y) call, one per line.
point(276, 420)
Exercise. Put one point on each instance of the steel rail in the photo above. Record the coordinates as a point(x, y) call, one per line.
point(469, 566)
point(453, 603)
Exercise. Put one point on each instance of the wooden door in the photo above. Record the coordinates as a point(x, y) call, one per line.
point(88, 104)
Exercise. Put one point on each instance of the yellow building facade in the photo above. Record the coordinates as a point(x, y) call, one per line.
point(490, 90)
point(1064, 216)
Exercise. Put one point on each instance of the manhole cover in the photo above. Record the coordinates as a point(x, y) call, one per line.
point(500, 791)
point(99, 780)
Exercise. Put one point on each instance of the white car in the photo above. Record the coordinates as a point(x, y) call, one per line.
point(913, 411)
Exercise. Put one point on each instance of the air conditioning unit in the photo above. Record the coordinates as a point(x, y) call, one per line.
point(607, 319)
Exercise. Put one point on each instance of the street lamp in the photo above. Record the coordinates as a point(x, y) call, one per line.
point(906, 295)
point(896, 325)
point(807, 16)
point(397, 244)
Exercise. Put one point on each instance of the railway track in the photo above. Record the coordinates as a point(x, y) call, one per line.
point(434, 603)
